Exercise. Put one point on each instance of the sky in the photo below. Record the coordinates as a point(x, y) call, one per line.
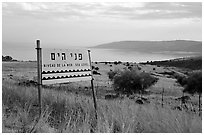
point(94, 23)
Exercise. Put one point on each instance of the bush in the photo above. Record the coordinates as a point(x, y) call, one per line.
point(96, 68)
point(96, 73)
point(119, 62)
point(132, 81)
point(7, 58)
point(194, 83)
point(130, 68)
point(181, 80)
point(191, 84)
point(115, 62)
point(111, 74)
point(93, 67)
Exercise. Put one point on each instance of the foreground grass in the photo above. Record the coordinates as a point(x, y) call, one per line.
point(65, 112)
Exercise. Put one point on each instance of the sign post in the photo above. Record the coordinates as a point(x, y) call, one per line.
point(92, 86)
point(62, 66)
point(39, 70)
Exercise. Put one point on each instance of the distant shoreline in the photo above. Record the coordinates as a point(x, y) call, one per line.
point(174, 59)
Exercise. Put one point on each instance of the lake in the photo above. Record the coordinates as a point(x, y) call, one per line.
point(134, 56)
point(105, 54)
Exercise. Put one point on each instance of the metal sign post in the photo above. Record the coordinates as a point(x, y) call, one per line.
point(61, 66)
point(92, 86)
point(39, 70)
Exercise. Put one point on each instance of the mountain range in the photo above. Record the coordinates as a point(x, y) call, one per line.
point(155, 46)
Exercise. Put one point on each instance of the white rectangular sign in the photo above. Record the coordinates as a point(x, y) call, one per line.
point(65, 65)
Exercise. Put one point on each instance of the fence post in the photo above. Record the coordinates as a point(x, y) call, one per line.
point(199, 95)
point(39, 70)
point(92, 86)
point(162, 97)
point(182, 99)
point(141, 91)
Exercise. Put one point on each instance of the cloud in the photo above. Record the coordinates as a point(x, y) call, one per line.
point(132, 11)
point(157, 10)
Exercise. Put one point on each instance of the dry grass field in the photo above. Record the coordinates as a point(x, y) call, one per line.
point(68, 108)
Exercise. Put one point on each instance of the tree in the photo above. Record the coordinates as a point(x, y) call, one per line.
point(132, 81)
point(182, 80)
point(194, 85)
point(7, 58)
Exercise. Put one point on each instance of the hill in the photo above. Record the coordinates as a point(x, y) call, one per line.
point(192, 63)
point(156, 46)
point(7, 58)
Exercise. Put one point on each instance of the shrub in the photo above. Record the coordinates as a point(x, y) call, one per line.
point(111, 74)
point(132, 81)
point(96, 68)
point(96, 73)
point(115, 63)
point(194, 83)
point(93, 67)
point(130, 68)
point(119, 62)
point(181, 79)
point(7, 58)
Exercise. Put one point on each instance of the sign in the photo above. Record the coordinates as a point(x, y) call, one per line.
point(65, 65)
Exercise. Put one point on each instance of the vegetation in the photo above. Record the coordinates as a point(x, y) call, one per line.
point(117, 62)
point(111, 74)
point(69, 113)
point(7, 58)
point(68, 108)
point(180, 79)
point(191, 63)
point(131, 81)
point(191, 84)
point(96, 68)
point(194, 83)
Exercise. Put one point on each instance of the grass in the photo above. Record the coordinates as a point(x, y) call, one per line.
point(68, 108)
point(65, 112)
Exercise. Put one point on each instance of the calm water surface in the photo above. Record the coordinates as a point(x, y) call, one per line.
point(105, 55)
point(134, 56)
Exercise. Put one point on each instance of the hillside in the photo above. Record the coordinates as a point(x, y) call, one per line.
point(156, 46)
point(192, 63)
point(7, 58)
point(68, 108)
